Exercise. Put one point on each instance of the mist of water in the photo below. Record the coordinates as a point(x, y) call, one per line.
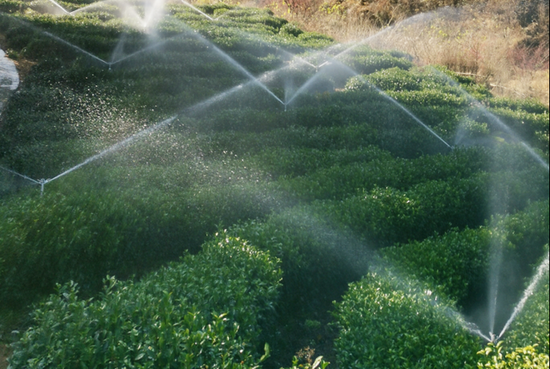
point(59, 39)
point(154, 12)
point(541, 270)
point(119, 145)
point(385, 95)
point(495, 263)
point(493, 118)
point(198, 10)
point(237, 65)
point(20, 175)
point(60, 7)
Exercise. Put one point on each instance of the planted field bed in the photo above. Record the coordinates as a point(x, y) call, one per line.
point(211, 186)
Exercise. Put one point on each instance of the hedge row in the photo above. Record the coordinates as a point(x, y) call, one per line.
point(85, 233)
point(205, 310)
point(388, 321)
point(457, 262)
point(384, 216)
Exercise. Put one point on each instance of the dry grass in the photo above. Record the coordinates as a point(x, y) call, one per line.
point(483, 41)
point(502, 43)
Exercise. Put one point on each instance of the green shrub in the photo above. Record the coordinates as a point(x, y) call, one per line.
point(12, 6)
point(530, 327)
point(318, 258)
point(336, 180)
point(204, 310)
point(364, 60)
point(527, 357)
point(387, 321)
point(319, 363)
point(87, 233)
point(455, 263)
point(384, 216)
point(291, 29)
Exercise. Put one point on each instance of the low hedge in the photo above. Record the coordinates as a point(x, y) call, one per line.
point(86, 233)
point(204, 310)
point(384, 216)
point(527, 357)
point(387, 321)
point(455, 263)
point(530, 327)
point(337, 179)
point(319, 258)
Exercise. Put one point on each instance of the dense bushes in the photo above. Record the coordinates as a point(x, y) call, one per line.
point(522, 357)
point(204, 310)
point(384, 216)
point(388, 321)
point(457, 262)
point(531, 325)
point(320, 181)
point(319, 259)
point(85, 234)
point(337, 179)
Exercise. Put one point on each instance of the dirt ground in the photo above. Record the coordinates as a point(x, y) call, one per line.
point(4, 353)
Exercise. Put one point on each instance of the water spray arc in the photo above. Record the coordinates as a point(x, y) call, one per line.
point(382, 93)
point(493, 118)
point(60, 7)
point(198, 10)
point(20, 175)
point(541, 270)
point(259, 81)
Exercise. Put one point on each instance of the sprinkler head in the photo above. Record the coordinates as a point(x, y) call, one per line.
point(493, 337)
point(42, 182)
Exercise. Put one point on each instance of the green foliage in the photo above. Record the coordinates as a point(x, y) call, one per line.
point(204, 310)
point(384, 216)
point(12, 6)
point(455, 263)
point(85, 234)
point(386, 321)
point(337, 179)
point(291, 29)
point(530, 328)
point(528, 357)
point(320, 183)
point(318, 363)
point(307, 244)
point(365, 60)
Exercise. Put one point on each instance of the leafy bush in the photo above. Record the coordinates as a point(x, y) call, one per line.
point(530, 328)
point(85, 234)
point(318, 363)
point(307, 244)
point(204, 310)
point(12, 6)
point(364, 60)
point(384, 216)
point(527, 357)
point(336, 180)
point(387, 321)
point(455, 263)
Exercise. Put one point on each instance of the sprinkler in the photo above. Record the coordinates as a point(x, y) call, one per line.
point(42, 182)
